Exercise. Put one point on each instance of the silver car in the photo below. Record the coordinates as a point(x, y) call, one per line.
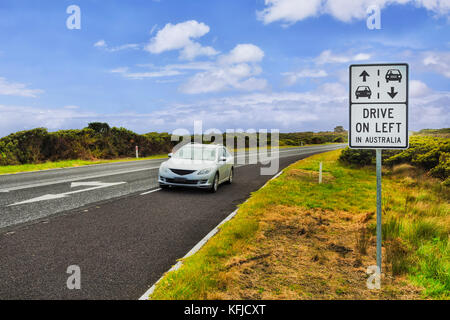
point(197, 165)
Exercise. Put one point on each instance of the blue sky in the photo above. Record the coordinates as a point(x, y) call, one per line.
point(160, 65)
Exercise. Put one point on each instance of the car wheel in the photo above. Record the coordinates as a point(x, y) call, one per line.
point(230, 178)
point(215, 184)
point(400, 81)
point(357, 97)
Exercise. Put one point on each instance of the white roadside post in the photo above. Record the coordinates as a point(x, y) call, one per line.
point(379, 116)
point(137, 152)
point(320, 172)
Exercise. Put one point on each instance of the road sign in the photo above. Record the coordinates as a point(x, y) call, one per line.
point(378, 106)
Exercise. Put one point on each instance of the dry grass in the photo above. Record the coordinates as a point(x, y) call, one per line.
point(303, 253)
point(309, 175)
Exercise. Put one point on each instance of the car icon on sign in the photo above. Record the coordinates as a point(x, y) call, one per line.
point(393, 75)
point(363, 91)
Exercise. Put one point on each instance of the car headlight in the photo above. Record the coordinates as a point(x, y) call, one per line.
point(204, 171)
point(163, 169)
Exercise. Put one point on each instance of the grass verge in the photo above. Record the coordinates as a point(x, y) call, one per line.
point(66, 164)
point(296, 239)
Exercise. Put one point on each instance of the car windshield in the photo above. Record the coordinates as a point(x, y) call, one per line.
point(394, 71)
point(363, 88)
point(196, 153)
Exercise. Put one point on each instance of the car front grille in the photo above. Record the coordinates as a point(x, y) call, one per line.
point(182, 172)
point(181, 181)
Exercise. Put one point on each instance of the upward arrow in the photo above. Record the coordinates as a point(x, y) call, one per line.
point(392, 94)
point(364, 75)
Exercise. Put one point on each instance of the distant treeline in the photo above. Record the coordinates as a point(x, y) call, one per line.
point(439, 133)
point(100, 141)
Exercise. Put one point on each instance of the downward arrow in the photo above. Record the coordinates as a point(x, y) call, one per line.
point(392, 94)
point(364, 75)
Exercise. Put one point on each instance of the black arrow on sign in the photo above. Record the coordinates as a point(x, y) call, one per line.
point(392, 94)
point(364, 74)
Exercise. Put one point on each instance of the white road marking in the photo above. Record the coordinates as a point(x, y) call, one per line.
point(151, 191)
point(277, 175)
point(43, 184)
point(41, 198)
point(95, 185)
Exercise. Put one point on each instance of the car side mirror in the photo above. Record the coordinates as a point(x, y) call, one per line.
point(222, 159)
point(170, 155)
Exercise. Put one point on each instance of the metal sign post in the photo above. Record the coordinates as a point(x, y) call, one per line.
point(379, 209)
point(379, 116)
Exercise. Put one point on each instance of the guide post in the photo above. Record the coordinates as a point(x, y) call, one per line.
point(379, 116)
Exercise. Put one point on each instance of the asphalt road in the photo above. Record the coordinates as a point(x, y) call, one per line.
point(122, 240)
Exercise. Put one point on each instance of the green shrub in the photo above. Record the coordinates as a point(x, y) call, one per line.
point(358, 157)
point(426, 152)
point(442, 170)
point(97, 141)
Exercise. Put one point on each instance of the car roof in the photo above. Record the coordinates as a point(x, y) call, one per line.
point(197, 145)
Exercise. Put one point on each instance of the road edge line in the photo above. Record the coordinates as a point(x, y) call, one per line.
point(151, 191)
point(195, 249)
point(198, 246)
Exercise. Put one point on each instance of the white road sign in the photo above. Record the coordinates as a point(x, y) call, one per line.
point(378, 106)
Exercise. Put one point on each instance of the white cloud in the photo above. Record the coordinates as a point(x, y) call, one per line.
point(15, 118)
point(17, 89)
point(288, 11)
point(438, 62)
point(100, 44)
point(292, 77)
point(103, 45)
point(328, 56)
point(194, 49)
point(180, 37)
point(243, 53)
point(164, 72)
point(236, 70)
point(291, 11)
point(119, 70)
point(418, 89)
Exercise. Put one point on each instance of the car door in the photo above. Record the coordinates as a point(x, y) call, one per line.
point(222, 165)
point(230, 161)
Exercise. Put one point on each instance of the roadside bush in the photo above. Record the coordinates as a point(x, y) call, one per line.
point(442, 170)
point(431, 154)
point(97, 141)
point(358, 157)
